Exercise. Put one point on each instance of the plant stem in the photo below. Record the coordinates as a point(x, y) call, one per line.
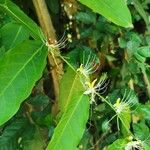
point(48, 29)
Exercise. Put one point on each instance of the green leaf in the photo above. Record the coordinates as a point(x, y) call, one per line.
point(32, 138)
point(70, 84)
point(144, 110)
point(11, 134)
point(119, 144)
point(141, 131)
point(13, 34)
point(144, 51)
point(85, 17)
point(115, 11)
point(53, 5)
point(138, 6)
point(71, 126)
point(2, 52)
point(20, 68)
point(13, 10)
point(125, 118)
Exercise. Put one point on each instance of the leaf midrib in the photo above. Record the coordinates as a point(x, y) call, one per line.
point(70, 93)
point(67, 121)
point(7, 85)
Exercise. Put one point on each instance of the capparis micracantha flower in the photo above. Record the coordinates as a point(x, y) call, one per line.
point(54, 45)
point(122, 105)
point(88, 66)
point(94, 87)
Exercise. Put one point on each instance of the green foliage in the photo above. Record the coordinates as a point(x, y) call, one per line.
point(11, 135)
point(140, 10)
point(141, 131)
point(104, 91)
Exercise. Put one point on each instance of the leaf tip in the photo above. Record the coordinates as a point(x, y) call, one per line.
point(130, 25)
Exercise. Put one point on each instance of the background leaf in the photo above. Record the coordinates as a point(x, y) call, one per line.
point(20, 68)
point(12, 34)
point(10, 136)
point(118, 145)
point(141, 131)
point(115, 11)
point(13, 10)
point(141, 11)
point(32, 138)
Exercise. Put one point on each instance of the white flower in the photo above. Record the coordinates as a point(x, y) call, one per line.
point(92, 87)
point(88, 66)
point(125, 103)
point(53, 44)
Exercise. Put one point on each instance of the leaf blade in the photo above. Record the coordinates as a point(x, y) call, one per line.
point(115, 11)
point(19, 76)
point(75, 115)
point(71, 126)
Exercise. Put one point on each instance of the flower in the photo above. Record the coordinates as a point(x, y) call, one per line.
point(123, 105)
point(54, 45)
point(92, 87)
point(88, 67)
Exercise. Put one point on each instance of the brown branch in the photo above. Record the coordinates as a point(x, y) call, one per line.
point(48, 29)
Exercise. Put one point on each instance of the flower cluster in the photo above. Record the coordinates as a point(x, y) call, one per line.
point(85, 70)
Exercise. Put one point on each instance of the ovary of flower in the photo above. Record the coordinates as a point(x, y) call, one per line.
point(91, 87)
point(91, 90)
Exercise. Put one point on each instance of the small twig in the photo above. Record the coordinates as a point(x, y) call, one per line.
point(28, 112)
